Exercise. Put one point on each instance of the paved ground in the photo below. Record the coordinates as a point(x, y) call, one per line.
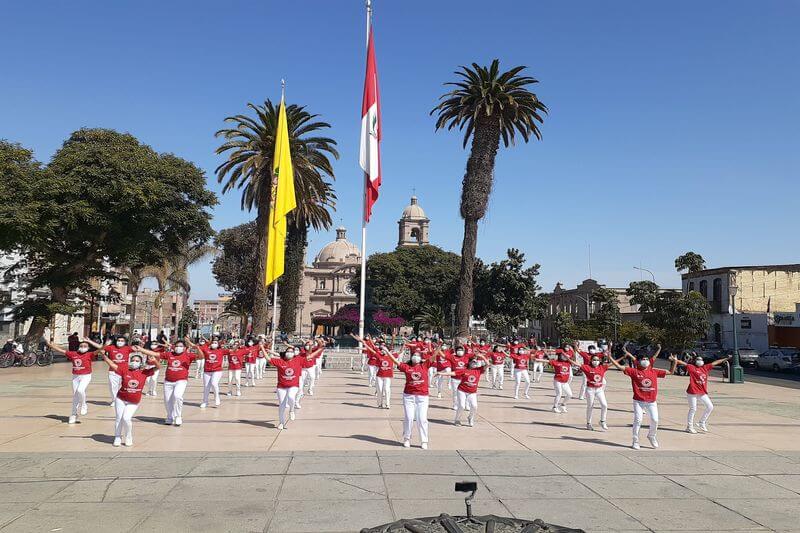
point(340, 467)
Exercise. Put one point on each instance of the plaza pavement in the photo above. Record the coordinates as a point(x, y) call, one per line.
point(340, 467)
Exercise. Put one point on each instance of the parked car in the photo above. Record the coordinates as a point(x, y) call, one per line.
point(711, 351)
point(777, 359)
point(747, 356)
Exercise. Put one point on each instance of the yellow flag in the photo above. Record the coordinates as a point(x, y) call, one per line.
point(282, 201)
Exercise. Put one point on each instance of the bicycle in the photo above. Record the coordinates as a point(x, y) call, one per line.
point(7, 359)
point(44, 357)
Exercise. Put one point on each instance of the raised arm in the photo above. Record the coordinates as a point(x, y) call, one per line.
point(93, 344)
point(391, 356)
point(615, 362)
point(721, 361)
point(55, 348)
point(676, 361)
point(154, 360)
point(658, 351)
point(625, 351)
point(111, 364)
point(150, 353)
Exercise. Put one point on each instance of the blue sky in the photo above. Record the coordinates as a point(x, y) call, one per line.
point(672, 127)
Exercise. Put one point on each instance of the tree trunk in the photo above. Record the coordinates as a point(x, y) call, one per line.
point(58, 295)
point(289, 288)
point(261, 296)
point(133, 289)
point(475, 190)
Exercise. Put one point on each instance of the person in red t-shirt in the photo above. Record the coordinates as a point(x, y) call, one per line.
point(442, 357)
point(249, 359)
point(235, 364)
point(201, 345)
point(176, 377)
point(308, 376)
point(497, 358)
point(119, 352)
point(212, 368)
point(698, 372)
point(132, 377)
point(644, 381)
point(458, 362)
point(289, 368)
point(383, 372)
point(562, 374)
point(539, 357)
point(153, 349)
point(594, 372)
point(415, 395)
point(81, 360)
point(521, 360)
point(368, 350)
point(468, 380)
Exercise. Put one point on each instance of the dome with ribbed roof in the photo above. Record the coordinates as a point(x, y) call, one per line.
point(413, 210)
point(339, 251)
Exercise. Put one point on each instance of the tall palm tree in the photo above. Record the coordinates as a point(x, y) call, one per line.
point(178, 277)
point(487, 105)
point(250, 145)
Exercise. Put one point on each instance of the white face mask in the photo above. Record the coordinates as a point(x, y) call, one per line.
point(475, 364)
point(179, 349)
point(415, 359)
point(595, 363)
point(135, 365)
point(83, 349)
point(120, 343)
point(289, 355)
point(459, 352)
point(214, 345)
point(644, 363)
point(698, 362)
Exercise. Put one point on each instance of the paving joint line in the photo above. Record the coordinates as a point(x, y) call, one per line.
point(276, 499)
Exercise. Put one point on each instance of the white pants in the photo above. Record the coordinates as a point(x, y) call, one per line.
point(431, 374)
point(454, 383)
point(308, 378)
point(538, 371)
point(79, 384)
point(638, 413)
point(415, 407)
point(211, 382)
point(250, 373)
point(467, 401)
point(705, 400)
point(114, 384)
point(583, 386)
point(497, 376)
point(563, 390)
point(123, 412)
point(519, 377)
point(198, 369)
point(441, 380)
point(372, 371)
point(261, 364)
point(384, 391)
point(151, 383)
point(173, 398)
point(318, 367)
point(599, 394)
point(286, 399)
point(235, 379)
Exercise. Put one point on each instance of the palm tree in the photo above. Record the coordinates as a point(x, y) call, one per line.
point(178, 277)
point(250, 144)
point(431, 318)
point(488, 105)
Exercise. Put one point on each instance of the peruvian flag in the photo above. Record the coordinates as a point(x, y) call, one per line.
point(370, 156)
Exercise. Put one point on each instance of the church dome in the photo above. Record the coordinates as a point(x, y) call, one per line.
point(339, 251)
point(413, 210)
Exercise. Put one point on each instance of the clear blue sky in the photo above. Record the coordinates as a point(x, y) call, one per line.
point(673, 126)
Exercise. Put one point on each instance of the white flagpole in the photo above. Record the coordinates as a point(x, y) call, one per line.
point(362, 298)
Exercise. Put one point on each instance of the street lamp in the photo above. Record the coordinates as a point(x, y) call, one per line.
point(648, 271)
point(737, 372)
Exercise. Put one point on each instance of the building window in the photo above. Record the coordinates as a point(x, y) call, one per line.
point(717, 290)
point(321, 284)
point(691, 286)
point(704, 288)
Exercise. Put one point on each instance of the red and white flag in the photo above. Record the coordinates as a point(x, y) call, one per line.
point(370, 156)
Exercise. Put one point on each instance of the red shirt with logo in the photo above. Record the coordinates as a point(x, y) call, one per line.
point(178, 366)
point(586, 356)
point(562, 370)
point(416, 378)
point(698, 379)
point(443, 360)
point(250, 355)
point(520, 361)
point(594, 374)
point(459, 363)
point(213, 360)
point(81, 362)
point(470, 378)
point(497, 358)
point(288, 371)
point(236, 358)
point(385, 367)
point(645, 382)
point(132, 383)
point(118, 355)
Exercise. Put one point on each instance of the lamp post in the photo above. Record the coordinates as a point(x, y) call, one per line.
point(648, 271)
point(453, 320)
point(737, 372)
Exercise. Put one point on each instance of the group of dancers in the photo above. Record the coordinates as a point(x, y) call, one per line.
point(133, 371)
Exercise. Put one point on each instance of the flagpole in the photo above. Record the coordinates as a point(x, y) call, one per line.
point(275, 284)
point(362, 298)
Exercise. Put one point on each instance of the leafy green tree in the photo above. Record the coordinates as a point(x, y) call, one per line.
point(235, 265)
point(488, 105)
point(104, 200)
point(607, 319)
point(564, 325)
point(249, 143)
point(432, 318)
point(411, 278)
point(691, 262)
point(507, 295)
point(640, 333)
point(187, 322)
point(644, 294)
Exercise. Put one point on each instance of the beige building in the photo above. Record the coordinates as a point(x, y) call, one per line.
point(158, 311)
point(210, 317)
point(762, 291)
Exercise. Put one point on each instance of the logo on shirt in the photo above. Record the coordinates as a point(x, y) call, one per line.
point(175, 363)
point(384, 364)
point(212, 357)
point(289, 372)
point(461, 364)
point(416, 376)
point(471, 379)
point(647, 383)
point(234, 360)
point(597, 378)
point(118, 356)
point(133, 384)
point(77, 362)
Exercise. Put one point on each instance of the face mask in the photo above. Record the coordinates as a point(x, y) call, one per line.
point(459, 352)
point(135, 365)
point(698, 362)
point(289, 355)
point(592, 351)
point(562, 357)
point(120, 343)
point(475, 364)
point(644, 363)
point(415, 359)
point(214, 345)
point(83, 350)
point(595, 363)
point(249, 343)
point(179, 349)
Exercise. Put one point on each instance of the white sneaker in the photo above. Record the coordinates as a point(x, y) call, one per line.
point(72, 419)
point(424, 446)
point(470, 422)
point(297, 405)
point(581, 398)
point(203, 405)
point(516, 397)
point(230, 394)
point(280, 426)
point(439, 395)
point(703, 427)
point(216, 402)
point(653, 441)
point(563, 408)
point(555, 409)
point(117, 442)
point(690, 429)
point(406, 444)
point(604, 425)
point(168, 421)
point(311, 393)
point(178, 421)
point(589, 427)
point(291, 415)
point(527, 397)
point(129, 441)
point(456, 422)
point(635, 445)
point(386, 406)
point(84, 409)
point(501, 387)
point(239, 392)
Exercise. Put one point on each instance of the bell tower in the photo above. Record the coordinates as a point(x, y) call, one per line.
point(413, 226)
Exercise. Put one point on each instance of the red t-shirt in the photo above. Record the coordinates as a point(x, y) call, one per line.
point(520, 361)
point(497, 358)
point(540, 355)
point(459, 363)
point(586, 356)
point(309, 363)
point(698, 379)
point(288, 371)
point(250, 355)
point(645, 382)
point(213, 360)
point(470, 378)
point(236, 358)
point(562, 370)
point(178, 366)
point(416, 378)
point(118, 355)
point(385, 367)
point(443, 360)
point(132, 383)
point(81, 362)
point(594, 374)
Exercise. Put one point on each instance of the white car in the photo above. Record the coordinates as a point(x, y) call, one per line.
point(777, 359)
